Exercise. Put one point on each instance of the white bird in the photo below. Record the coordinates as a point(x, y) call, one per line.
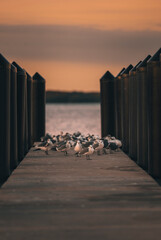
point(43, 148)
point(64, 148)
point(118, 142)
point(95, 144)
point(100, 146)
point(114, 144)
point(78, 148)
point(87, 151)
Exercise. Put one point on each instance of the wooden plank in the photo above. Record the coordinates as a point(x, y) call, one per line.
point(67, 197)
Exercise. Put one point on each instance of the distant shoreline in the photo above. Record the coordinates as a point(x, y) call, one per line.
point(72, 97)
point(68, 103)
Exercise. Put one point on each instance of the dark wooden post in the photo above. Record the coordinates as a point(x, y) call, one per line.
point(142, 114)
point(107, 104)
point(21, 109)
point(133, 113)
point(118, 105)
point(5, 74)
point(154, 116)
point(125, 108)
point(39, 100)
point(30, 110)
point(13, 124)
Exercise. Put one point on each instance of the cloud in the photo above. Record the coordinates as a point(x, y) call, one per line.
point(77, 44)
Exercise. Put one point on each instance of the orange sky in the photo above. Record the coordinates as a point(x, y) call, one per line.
point(79, 49)
point(106, 14)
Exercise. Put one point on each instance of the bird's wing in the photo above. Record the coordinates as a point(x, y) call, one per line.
point(87, 144)
point(95, 145)
point(84, 150)
point(60, 148)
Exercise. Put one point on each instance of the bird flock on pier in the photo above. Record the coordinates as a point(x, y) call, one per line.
point(81, 144)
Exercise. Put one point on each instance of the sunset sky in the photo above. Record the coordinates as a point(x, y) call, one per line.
point(72, 43)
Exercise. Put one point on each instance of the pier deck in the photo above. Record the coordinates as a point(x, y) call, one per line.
point(61, 197)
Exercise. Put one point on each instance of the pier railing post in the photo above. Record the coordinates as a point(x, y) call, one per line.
point(154, 116)
point(142, 114)
point(118, 105)
point(30, 109)
point(107, 104)
point(17, 125)
point(133, 113)
point(137, 116)
point(21, 109)
point(13, 124)
point(5, 78)
point(26, 147)
point(125, 108)
point(38, 106)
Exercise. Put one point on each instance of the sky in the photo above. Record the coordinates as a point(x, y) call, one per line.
point(72, 43)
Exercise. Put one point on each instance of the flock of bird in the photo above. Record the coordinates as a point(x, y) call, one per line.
point(81, 144)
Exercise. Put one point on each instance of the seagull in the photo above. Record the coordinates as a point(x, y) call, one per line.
point(87, 144)
point(43, 148)
point(99, 147)
point(64, 147)
point(41, 144)
point(78, 148)
point(118, 142)
point(87, 151)
point(106, 145)
point(77, 134)
point(114, 144)
point(95, 144)
point(46, 137)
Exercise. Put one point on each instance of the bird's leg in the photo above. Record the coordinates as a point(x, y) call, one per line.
point(46, 152)
point(88, 157)
point(98, 152)
point(104, 151)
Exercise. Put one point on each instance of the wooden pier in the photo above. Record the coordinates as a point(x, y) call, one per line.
point(61, 197)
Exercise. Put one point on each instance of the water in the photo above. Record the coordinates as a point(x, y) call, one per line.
point(73, 117)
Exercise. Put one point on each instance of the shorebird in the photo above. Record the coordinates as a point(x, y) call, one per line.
point(99, 147)
point(87, 144)
point(41, 144)
point(64, 147)
point(113, 143)
point(87, 151)
point(42, 148)
point(112, 146)
point(78, 148)
point(46, 137)
point(106, 145)
point(118, 142)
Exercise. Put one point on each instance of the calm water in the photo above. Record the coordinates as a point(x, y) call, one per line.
point(73, 117)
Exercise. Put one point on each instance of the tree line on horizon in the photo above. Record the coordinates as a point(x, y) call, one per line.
point(72, 97)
